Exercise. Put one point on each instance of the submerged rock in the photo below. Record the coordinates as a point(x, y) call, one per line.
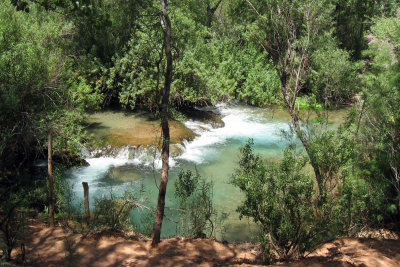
point(85, 153)
point(124, 173)
point(176, 150)
point(208, 115)
point(69, 158)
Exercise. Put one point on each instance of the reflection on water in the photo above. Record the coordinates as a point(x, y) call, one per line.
point(213, 152)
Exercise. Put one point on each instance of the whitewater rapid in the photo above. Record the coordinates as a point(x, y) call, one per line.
point(241, 123)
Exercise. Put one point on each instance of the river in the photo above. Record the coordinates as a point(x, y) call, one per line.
point(213, 151)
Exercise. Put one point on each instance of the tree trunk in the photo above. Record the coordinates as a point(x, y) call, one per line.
point(398, 13)
point(291, 104)
point(166, 26)
point(51, 181)
point(306, 144)
point(211, 12)
point(86, 196)
point(398, 196)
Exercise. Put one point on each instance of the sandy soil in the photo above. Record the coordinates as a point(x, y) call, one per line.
point(56, 247)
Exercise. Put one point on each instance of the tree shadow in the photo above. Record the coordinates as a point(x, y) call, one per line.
point(55, 247)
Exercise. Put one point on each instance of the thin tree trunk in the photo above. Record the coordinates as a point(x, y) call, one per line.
point(296, 124)
point(166, 26)
point(211, 11)
point(51, 181)
point(86, 197)
point(307, 147)
point(398, 13)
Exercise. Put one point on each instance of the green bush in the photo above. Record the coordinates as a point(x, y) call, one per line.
point(112, 212)
point(279, 197)
point(334, 78)
point(31, 68)
point(35, 195)
point(194, 195)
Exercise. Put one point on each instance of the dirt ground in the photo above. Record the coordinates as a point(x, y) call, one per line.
point(55, 247)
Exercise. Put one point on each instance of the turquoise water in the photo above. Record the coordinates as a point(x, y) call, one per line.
point(214, 153)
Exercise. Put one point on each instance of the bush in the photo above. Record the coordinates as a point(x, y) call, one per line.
point(112, 212)
point(194, 196)
point(279, 197)
point(334, 77)
point(35, 194)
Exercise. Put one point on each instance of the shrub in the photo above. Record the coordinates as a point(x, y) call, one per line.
point(112, 212)
point(194, 195)
point(279, 197)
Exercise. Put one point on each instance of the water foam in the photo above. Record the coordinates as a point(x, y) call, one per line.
point(241, 123)
point(128, 155)
point(97, 169)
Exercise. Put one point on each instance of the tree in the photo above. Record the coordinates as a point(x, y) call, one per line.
point(52, 200)
point(292, 29)
point(380, 128)
point(355, 17)
point(211, 11)
point(35, 103)
point(333, 78)
point(166, 27)
point(31, 67)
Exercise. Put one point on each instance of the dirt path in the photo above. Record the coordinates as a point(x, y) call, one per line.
point(55, 247)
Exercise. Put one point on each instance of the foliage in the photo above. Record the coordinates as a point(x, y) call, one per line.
point(36, 195)
point(334, 78)
point(207, 68)
point(359, 202)
point(136, 75)
point(354, 18)
point(309, 102)
point(194, 195)
point(60, 58)
point(33, 99)
point(186, 184)
point(243, 74)
point(12, 224)
point(30, 67)
point(346, 197)
point(112, 212)
point(33, 93)
point(278, 196)
point(332, 151)
point(82, 95)
point(380, 118)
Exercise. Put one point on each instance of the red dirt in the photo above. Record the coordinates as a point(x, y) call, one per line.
point(56, 247)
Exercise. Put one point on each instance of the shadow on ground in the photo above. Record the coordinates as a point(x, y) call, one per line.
point(55, 247)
